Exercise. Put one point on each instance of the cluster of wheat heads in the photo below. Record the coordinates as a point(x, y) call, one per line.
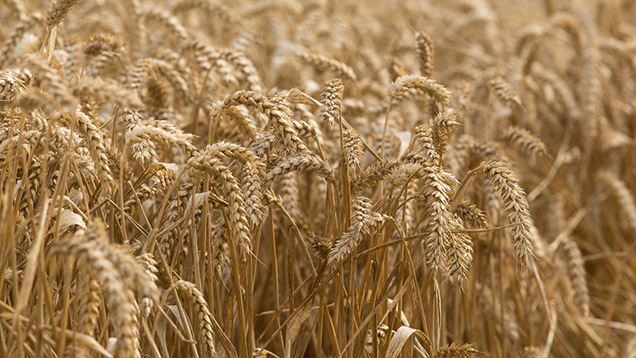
point(207, 178)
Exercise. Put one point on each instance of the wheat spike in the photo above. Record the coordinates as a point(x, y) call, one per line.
point(516, 207)
point(279, 114)
point(525, 141)
point(470, 214)
point(323, 63)
point(622, 195)
point(454, 350)
point(504, 92)
point(353, 149)
point(58, 11)
point(405, 85)
point(230, 186)
point(365, 222)
point(203, 314)
point(86, 247)
point(426, 53)
point(300, 163)
point(331, 99)
point(439, 229)
point(577, 276)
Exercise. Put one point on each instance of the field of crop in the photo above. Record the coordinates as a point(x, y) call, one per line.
point(317, 178)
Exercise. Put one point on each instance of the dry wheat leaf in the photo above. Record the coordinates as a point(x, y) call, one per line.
point(399, 339)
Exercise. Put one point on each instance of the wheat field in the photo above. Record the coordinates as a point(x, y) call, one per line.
point(317, 178)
